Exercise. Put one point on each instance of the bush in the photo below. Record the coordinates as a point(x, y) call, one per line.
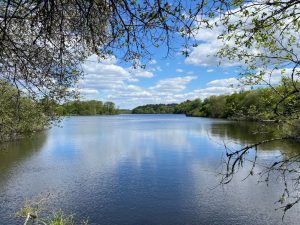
point(20, 115)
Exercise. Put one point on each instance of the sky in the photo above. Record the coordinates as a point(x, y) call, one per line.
point(165, 80)
point(169, 80)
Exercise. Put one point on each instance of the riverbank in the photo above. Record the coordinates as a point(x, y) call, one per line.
point(254, 105)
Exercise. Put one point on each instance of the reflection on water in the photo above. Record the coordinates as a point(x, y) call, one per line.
point(249, 132)
point(138, 169)
point(12, 154)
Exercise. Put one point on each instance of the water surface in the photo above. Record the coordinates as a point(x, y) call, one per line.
point(139, 169)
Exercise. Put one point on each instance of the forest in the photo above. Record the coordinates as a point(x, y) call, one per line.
point(87, 108)
point(252, 105)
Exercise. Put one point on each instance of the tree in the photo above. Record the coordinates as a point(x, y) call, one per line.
point(43, 43)
point(86, 108)
point(264, 37)
point(14, 124)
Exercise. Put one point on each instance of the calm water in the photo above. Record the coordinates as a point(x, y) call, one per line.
point(138, 170)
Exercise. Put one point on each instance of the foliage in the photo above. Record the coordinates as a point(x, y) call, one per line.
point(155, 109)
point(20, 115)
point(260, 105)
point(59, 218)
point(190, 108)
point(84, 108)
point(263, 36)
point(253, 105)
point(43, 43)
point(31, 211)
point(125, 111)
point(17, 116)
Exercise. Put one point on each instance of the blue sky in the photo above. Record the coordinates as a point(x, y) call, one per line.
point(165, 80)
point(168, 80)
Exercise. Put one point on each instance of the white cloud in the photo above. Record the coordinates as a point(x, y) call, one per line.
point(164, 91)
point(89, 91)
point(175, 84)
point(158, 68)
point(152, 62)
point(105, 74)
point(111, 59)
point(107, 81)
point(205, 53)
point(139, 72)
point(224, 82)
point(215, 87)
point(274, 77)
point(179, 70)
point(210, 70)
point(99, 75)
point(104, 77)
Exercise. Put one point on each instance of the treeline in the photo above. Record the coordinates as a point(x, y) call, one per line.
point(20, 115)
point(155, 109)
point(125, 111)
point(87, 108)
point(259, 104)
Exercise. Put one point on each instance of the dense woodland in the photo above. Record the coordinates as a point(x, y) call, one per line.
point(255, 105)
point(155, 109)
point(87, 108)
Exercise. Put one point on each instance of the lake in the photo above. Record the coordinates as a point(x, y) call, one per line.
point(140, 170)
